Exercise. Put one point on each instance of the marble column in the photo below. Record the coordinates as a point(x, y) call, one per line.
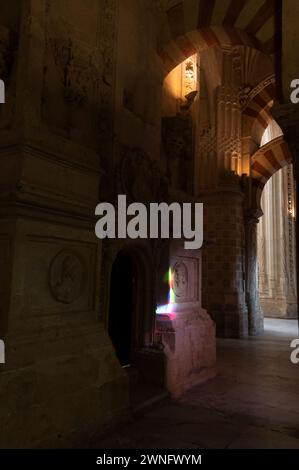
point(255, 314)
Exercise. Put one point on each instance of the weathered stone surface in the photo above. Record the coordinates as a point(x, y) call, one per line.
point(92, 112)
point(189, 347)
point(187, 332)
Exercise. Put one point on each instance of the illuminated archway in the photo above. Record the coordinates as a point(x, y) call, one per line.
point(264, 163)
point(257, 110)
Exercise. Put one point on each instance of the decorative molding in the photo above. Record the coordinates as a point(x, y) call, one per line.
point(229, 132)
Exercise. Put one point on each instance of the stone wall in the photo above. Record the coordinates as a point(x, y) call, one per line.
point(61, 381)
point(224, 261)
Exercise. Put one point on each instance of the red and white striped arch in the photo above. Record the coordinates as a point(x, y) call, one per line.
point(265, 162)
point(195, 25)
point(183, 46)
point(257, 113)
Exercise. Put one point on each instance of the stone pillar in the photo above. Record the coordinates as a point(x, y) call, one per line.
point(221, 192)
point(224, 259)
point(61, 381)
point(255, 317)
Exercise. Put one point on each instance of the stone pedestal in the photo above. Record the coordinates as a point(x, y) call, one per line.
point(188, 339)
point(185, 330)
point(61, 381)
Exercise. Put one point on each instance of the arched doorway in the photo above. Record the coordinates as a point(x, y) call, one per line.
point(276, 247)
point(131, 325)
point(274, 192)
point(120, 320)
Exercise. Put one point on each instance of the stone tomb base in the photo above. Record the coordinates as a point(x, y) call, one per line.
point(184, 329)
point(188, 339)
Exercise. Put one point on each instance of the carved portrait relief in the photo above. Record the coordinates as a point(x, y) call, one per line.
point(180, 279)
point(66, 277)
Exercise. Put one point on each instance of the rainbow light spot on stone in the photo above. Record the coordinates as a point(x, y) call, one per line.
point(168, 309)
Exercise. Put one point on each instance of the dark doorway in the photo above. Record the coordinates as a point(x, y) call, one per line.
point(121, 307)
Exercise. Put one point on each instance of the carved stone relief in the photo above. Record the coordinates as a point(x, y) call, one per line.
point(70, 86)
point(77, 76)
point(244, 93)
point(177, 143)
point(229, 130)
point(108, 35)
point(66, 277)
point(190, 75)
point(185, 272)
point(180, 280)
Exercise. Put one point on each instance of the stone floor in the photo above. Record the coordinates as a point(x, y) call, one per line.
point(252, 403)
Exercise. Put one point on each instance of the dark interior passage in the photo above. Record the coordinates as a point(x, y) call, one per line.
point(120, 307)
